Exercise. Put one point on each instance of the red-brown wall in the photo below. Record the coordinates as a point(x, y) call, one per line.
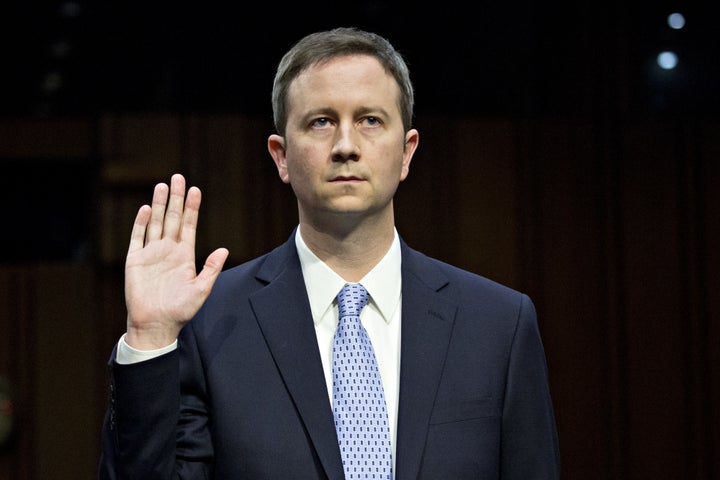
point(611, 227)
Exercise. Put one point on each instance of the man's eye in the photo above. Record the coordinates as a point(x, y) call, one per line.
point(320, 122)
point(372, 120)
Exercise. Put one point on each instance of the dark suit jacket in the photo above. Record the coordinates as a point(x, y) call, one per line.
point(252, 402)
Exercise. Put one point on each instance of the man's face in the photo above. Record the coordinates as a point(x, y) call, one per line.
point(344, 151)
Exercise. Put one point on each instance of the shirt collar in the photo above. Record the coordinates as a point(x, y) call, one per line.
point(323, 284)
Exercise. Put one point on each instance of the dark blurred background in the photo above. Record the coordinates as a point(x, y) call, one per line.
point(486, 58)
point(575, 144)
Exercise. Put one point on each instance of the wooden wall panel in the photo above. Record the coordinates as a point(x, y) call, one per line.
point(654, 320)
point(16, 313)
point(50, 332)
point(137, 148)
point(429, 192)
point(703, 147)
point(485, 182)
point(50, 138)
point(136, 152)
point(563, 267)
point(246, 207)
point(65, 362)
point(612, 228)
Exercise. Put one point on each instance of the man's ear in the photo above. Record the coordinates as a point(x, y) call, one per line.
point(276, 147)
point(412, 139)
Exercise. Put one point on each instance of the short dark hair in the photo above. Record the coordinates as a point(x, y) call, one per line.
point(322, 46)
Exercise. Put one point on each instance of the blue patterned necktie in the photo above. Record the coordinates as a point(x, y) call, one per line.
point(361, 418)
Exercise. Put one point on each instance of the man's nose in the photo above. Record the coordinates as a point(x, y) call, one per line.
point(346, 146)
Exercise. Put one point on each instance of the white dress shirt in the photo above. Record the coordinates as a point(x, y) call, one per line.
point(381, 318)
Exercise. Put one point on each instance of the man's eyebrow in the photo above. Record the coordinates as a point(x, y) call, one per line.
point(366, 110)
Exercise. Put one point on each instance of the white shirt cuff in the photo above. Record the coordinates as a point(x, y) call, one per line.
point(127, 354)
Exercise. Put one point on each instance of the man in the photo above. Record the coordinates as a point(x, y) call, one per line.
point(236, 378)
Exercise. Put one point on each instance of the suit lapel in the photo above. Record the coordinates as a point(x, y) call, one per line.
point(283, 313)
point(427, 322)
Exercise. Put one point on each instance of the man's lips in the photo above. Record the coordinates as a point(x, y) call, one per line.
point(347, 179)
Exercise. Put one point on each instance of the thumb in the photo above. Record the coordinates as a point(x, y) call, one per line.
point(212, 268)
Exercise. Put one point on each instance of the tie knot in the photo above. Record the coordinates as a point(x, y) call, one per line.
point(351, 299)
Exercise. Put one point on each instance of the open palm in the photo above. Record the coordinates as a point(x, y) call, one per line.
point(162, 287)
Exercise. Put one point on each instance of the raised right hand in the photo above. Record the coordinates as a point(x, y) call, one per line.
point(162, 288)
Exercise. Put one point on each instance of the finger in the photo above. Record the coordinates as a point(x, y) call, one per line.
point(174, 212)
point(212, 268)
point(190, 216)
point(159, 201)
point(137, 236)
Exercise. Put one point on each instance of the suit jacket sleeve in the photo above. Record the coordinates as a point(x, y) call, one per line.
point(143, 426)
point(529, 443)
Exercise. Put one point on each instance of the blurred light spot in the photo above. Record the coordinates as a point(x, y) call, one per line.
point(667, 60)
point(60, 49)
point(676, 21)
point(52, 82)
point(70, 9)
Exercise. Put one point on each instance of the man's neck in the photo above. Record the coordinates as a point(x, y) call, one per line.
point(349, 252)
